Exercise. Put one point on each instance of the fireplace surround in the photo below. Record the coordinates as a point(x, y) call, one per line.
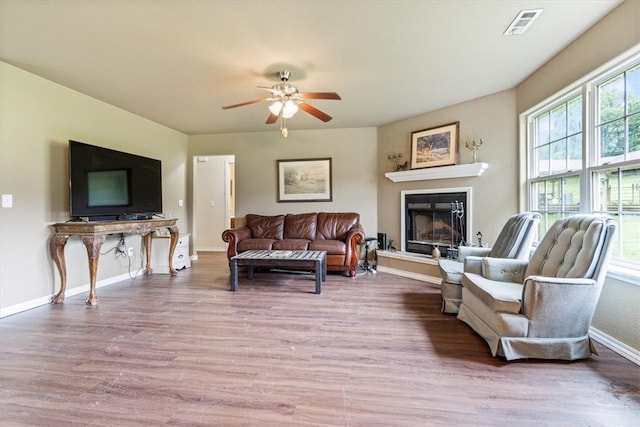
point(435, 218)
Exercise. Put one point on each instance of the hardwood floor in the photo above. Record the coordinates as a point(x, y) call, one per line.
point(373, 350)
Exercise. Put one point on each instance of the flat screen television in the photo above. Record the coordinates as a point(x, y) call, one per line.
point(106, 184)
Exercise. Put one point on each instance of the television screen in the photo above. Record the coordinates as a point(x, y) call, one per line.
point(108, 184)
point(108, 188)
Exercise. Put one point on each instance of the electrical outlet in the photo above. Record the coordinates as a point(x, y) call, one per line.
point(130, 252)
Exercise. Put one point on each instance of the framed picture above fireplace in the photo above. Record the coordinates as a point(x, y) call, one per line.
point(436, 146)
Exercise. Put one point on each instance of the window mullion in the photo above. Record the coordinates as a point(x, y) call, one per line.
point(588, 143)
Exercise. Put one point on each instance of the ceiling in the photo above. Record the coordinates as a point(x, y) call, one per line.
point(178, 62)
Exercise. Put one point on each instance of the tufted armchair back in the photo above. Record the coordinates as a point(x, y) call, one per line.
point(572, 248)
point(514, 241)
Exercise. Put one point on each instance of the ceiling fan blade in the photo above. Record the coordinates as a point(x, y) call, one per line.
point(255, 101)
point(272, 119)
point(273, 91)
point(315, 112)
point(320, 95)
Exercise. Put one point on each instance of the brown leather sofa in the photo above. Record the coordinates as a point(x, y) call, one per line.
point(339, 234)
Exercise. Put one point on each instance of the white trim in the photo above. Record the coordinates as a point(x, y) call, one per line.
point(442, 172)
point(613, 344)
point(624, 272)
point(212, 249)
point(28, 305)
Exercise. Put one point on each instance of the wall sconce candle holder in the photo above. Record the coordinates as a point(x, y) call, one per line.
point(395, 159)
point(474, 147)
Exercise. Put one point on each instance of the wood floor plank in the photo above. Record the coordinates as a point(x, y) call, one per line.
point(370, 350)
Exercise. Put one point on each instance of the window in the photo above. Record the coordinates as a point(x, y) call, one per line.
point(584, 155)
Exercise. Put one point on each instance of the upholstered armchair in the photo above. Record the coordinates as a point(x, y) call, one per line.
point(542, 308)
point(514, 241)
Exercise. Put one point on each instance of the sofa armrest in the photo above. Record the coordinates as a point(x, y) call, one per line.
point(233, 236)
point(545, 302)
point(465, 251)
point(355, 237)
point(504, 269)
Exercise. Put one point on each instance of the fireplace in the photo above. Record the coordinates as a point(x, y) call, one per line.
point(435, 218)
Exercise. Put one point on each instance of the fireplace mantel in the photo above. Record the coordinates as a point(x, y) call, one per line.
point(443, 172)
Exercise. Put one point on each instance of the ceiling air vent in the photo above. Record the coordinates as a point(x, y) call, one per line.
point(522, 22)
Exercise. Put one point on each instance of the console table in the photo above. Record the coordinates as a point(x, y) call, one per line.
point(94, 234)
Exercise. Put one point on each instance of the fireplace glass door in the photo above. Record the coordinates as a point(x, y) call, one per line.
point(435, 220)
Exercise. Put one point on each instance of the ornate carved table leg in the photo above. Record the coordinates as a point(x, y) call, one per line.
point(93, 245)
point(173, 230)
point(147, 250)
point(56, 248)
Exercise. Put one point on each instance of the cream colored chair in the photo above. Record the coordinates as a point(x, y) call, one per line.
point(541, 308)
point(514, 241)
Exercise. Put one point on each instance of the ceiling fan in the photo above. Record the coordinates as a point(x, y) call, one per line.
point(286, 100)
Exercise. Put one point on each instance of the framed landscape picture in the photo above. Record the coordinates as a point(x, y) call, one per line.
point(304, 180)
point(435, 146)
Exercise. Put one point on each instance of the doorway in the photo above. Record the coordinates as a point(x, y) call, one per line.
point(213, 209)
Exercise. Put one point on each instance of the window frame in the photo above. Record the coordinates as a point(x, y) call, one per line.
point(621, 268)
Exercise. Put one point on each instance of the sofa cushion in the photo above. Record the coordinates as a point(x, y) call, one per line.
point(499, 296)
point(300, 226)
point(332, 247)
point(266, 227)
point(255, 244)
point(335, 226)
point(291, 245)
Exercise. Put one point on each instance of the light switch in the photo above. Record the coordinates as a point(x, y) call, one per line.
point(212, 204)
point(180, 203)
point(7, 200)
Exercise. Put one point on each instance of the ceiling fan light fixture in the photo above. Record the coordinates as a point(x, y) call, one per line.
point(275, 108)
point(286, 100)
point(289, 109)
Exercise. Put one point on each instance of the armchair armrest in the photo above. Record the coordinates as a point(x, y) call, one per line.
point(559, 307)
point(473, 264)
point(465, 251)
point(233, 236)
point(504, 269)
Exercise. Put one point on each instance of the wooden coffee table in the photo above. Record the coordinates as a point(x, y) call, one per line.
point(315, 260)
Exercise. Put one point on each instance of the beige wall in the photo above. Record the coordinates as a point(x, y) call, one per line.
point(613, 35)
point(38, 118)
point(491, 118)
point(619, 305)
point(353, 153)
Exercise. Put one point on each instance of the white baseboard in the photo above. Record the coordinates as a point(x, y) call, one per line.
point(613, 344)
point(210, 249)
point(28, 305)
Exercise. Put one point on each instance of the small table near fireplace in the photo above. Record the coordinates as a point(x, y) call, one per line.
point(315, 260)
